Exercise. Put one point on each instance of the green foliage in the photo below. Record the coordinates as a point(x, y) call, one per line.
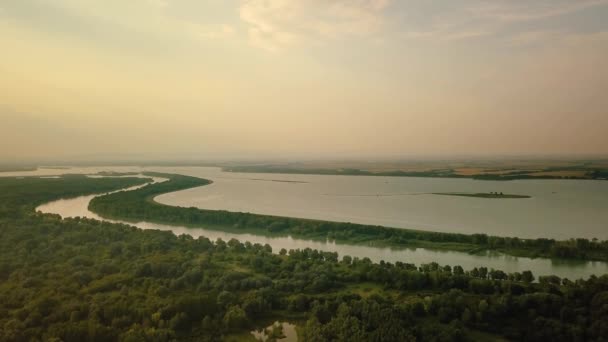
point(591, 173)
point(17, 168)
point(25, 193)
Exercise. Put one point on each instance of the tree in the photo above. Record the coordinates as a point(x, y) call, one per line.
point(482, 307)
point(347, 259)
point(235, 318)
point(312, 331)
point(527, 276)
point(466, 316)
point(226, 298)
point(483, 272)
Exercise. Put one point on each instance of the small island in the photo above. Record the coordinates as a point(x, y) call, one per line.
point(482, 194)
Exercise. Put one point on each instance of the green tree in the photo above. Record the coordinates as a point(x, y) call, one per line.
point(527, 276)
point(235, 318)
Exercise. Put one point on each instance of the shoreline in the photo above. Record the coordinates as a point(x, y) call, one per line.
point(142, 201)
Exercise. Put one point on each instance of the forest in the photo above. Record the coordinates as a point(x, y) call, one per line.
point(139, 205)
point(86, 280)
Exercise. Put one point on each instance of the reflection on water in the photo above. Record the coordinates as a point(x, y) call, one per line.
point(490, 259)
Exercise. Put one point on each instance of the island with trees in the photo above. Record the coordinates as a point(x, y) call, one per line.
point(494, 195)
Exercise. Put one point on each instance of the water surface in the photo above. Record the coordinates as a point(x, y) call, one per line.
point(559, 209)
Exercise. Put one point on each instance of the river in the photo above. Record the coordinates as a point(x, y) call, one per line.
point(559, 209)
point(288, 190)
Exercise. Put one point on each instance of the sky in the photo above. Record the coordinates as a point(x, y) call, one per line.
point(196, 79)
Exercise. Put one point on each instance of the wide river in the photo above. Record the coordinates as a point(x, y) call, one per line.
point(558, 209)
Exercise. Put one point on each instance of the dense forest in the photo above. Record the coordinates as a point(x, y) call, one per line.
point(138, 205)
point(86, 280)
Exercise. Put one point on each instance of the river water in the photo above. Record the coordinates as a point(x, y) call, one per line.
point(334, 197)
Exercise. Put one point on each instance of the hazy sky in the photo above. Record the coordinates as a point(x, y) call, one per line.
point(302, 78)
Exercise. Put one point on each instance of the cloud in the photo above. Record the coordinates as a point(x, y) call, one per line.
point(534, 37)
point(467, 19)
point(276, 24)
point(273, 25)
point(515, 11)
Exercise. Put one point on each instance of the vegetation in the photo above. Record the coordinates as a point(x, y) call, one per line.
point(15, 168)
point(26, 193)
point(600, 174)
point(116, 174)
point(481, 195)
point(138, 205)
point(586, 172)
point(86, 280)
point(341, 171)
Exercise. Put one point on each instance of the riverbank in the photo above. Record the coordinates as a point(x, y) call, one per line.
point(580, 173)
point(139, 205)
point(9, 168)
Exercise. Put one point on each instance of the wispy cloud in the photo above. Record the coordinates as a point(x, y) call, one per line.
point(275, 24)
point(477, 18)
point(533, 37)
point(518, 11)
